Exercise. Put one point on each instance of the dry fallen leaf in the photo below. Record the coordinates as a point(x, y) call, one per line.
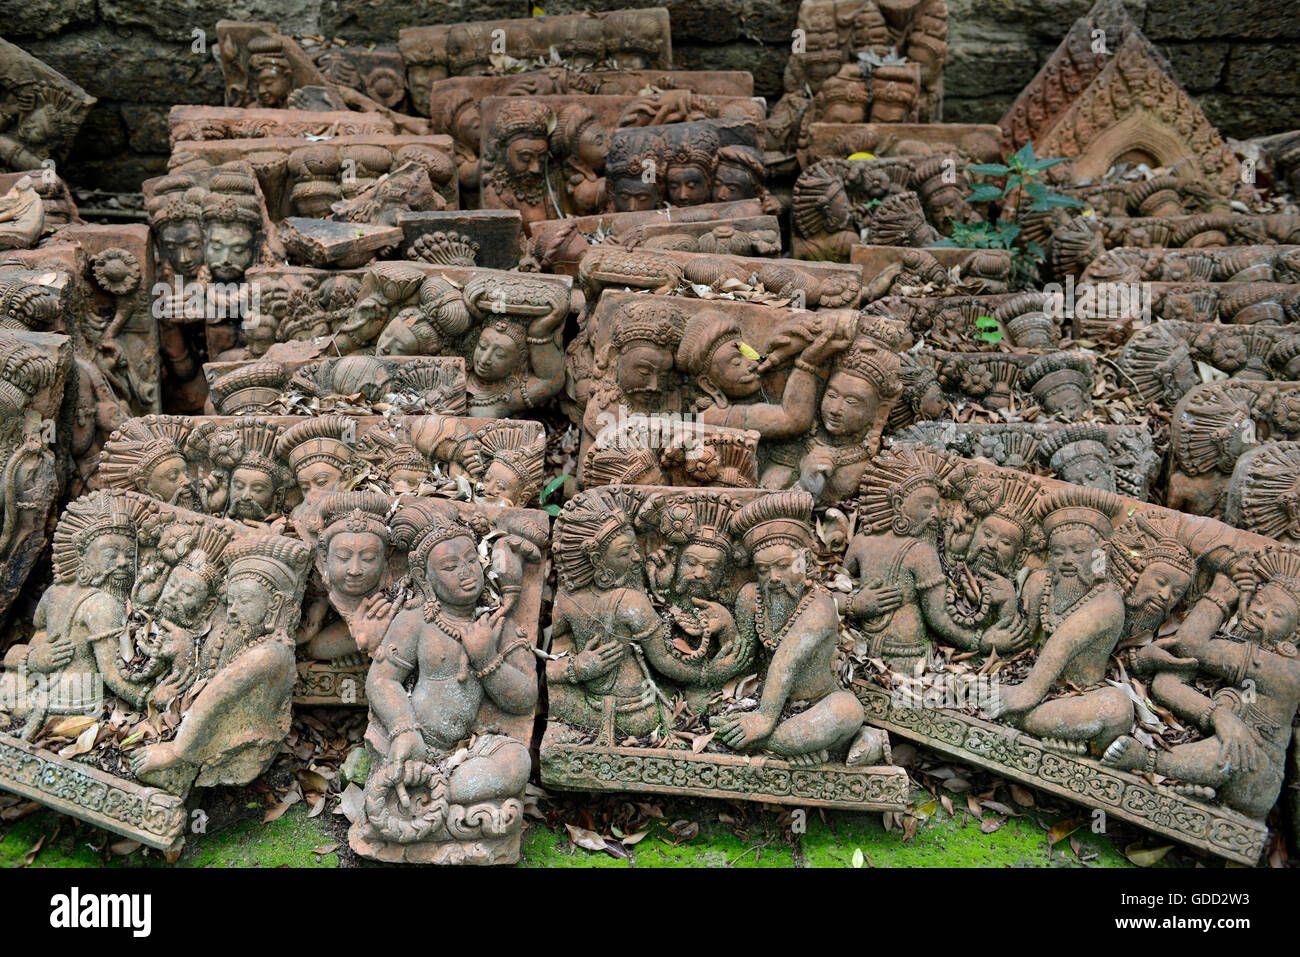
point(584, 838)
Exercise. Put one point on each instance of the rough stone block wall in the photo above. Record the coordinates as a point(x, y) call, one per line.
point(1240, 58)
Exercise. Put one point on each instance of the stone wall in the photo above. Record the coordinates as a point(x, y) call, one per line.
point(1241, 59)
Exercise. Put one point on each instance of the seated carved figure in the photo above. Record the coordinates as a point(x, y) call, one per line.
point(904, 593)
point(1247, 723)
point(1077, 617)
point(649, 646)
point(441, 665)
point(797, 625)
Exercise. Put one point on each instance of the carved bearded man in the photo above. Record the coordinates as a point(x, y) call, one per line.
point(514, 174)
point(80, 617)
point(797, 626)
point(1077, 617)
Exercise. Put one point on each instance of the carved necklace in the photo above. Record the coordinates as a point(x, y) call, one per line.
point(1049, 617)
point(971, 618)
point(772, 642)
point(433, 614)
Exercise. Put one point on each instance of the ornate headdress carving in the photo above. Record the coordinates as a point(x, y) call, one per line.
point(318, 439)
point(1079, 506)
point(657, 323)
point(134, 450)
point(1147, 538)
point(1075, 439)
point(89, 517)
point(589, 521)
point(894, 474)
point(778, 518)
point(249, 388)
point(515, 449)
point(277, 562)
point(356, 512)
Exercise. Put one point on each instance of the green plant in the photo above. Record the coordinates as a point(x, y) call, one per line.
point(552, 508)
point(1023, 176)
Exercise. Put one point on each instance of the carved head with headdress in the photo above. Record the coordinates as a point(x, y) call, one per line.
point(1272, 613)
point(1061, 382)
point(194, 583)
point(595, 542)
point(270, 70)
point(318, 452)
point(902, 491)
point(232, 222)
point(634, 169)
point(147, 455)
point(821, 203)
point(1211, 428)
point(696, 525)
point(443, 557)
point(688, 175)
point(775, 531)
point(251, 388)
point(1003, 502)
point(1078, 454)
point(711, 355)
point(352, 551)
point(643, 342)
point(1151, 565)
point(739, 174)
point(95, 542)
point(244, 450)
point(264, 579)
point(513, 463)
point(1077, 522)
point(864, 382)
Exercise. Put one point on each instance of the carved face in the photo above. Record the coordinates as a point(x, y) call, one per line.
point(251, 607)
point(1155, 593)
point(849, 406)
point(620, 557)
point(184, 597)
point(734, 372)
point(170, 481)
point(593, 146)
point(454, 571)
point(643, 369)
point(1273, 616)
point(1072, 556)
point(996, 544)
point(500, 481)
point(252, 494)
point(687, 185)
point(1093, 471)
point(1067, 401)
point(355, 563)
point(495, 356)
point(273, 88)
point(524, 156)
point(468, 127)
point(632, 194)
point(182, 246)
point(228, 250)
point(700, 568)
point(318, 478)
point(780, 570)
point(920, 512)
point(732, 183)
point(109, 560)
point(405, 480)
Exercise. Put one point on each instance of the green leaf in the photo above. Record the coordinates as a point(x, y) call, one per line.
point(551, 510)
point(993, 336)
point(1023, 157)
point(1012, 182)
point(1043, 164)
point(1036, 189)
point(1057, 199)
point(984, 193)
point(858, 858)
point(947, 243)
point(988, 169)
point(986, 322)
point(1009, 232)
point(551, 486)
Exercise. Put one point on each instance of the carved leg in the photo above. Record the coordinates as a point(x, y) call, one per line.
point(570, 704)
point(502, 772)
point(822, 728)
point(1097, 718)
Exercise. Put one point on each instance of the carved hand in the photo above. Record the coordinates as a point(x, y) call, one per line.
point(712, 619)
point(598, 660)
point(50, 655)
point(214, 492)
point(1007, 636)
point(1239, 750)
point(873, 602)
point(408, 746)
point(482, 637)
point(1160, 656)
